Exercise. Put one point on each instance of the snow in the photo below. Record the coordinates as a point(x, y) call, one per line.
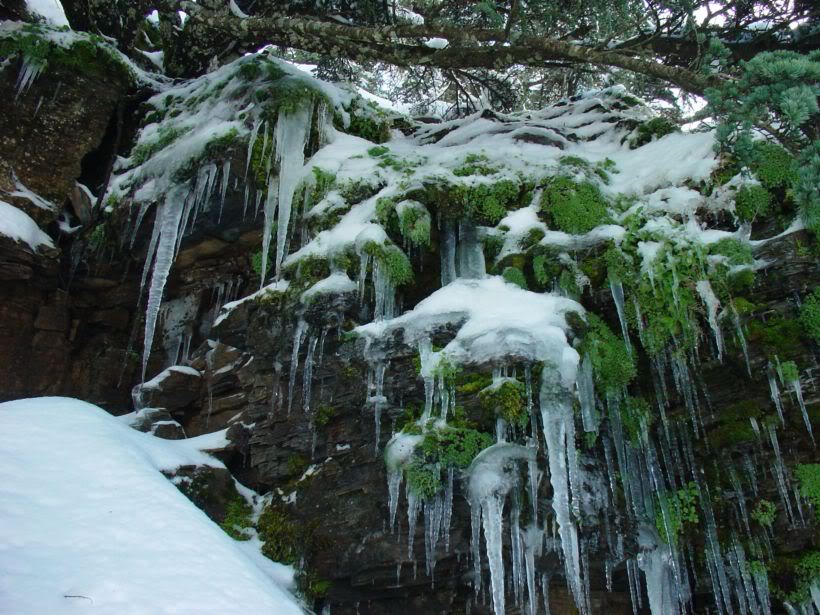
point(336, 283)
point(19, 226)
point(89, 521)
point(50, 10)
point(279, 286)
point(498, 320)
point(437, 43)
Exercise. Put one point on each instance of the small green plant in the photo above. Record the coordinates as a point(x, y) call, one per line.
point(764, 513)
point(377, 151)
point(238, 522)
point(394, 262)
point(773, 165)
point(414, 223)
point(636, 418)
point(681, 508)
point(454, 447)
point(475, 164)
point(808, 475)
point(324, 414)
point(810, 314)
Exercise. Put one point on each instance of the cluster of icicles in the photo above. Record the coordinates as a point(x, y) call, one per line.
point(635, 471)
point(639, 480)
point(282, 153)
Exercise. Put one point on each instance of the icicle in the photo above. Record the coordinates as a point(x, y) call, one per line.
point(470, 253)
point(798, 392)
point(448, 508)
point(741, 498)
point(533, 545)
point(413, 505)
point(226, 175)
point(586, 395)
point(660, 584)
point(448, 254)
point(517, 550)
point(385, 307)
point(251, 142)
point(617, 290)
point(29, 72)
point(292, 132)
point(712, 304)
point(774, 391)
point(433, 509)
point(298, 335)
point(741, 338)
point(394, 478)
point(760, 578)
point(780, 473)
point(168, 220)
point(307, 375)
point(559, 434)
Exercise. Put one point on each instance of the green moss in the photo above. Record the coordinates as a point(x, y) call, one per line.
point(752, 202)
point(414, 223)
point(87, 55)
point(764, 512)
point(808, 475)
point(165, 137)
point(514, 275)
point(377, 151)
point(297, 464)
point(734, 427)
point(486, 203)
point(312, 587)
point(788, 372)
point(612, 365)
point(366, 121)
point(454, 447)
point(282, 537)
point(238, 520)
point(636, 418)
point(655, 128)
point(423, 479)
point(289, 95)
point(773, 165)
point(810, 314)
point(794, 577)
point(475, 164)
point(492, 246)
point(324, 414)
point(394, 262)
point(738, 252)
point(474, 383)
point(506, 400)
point(778, 336)
point(573, 207)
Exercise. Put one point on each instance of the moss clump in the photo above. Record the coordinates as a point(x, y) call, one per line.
point(734, 427)
point(514, 275)
point(795, 577)
point(414, 223)
point(454, 447)
point(764, 513)
point(394, 263)
point(423, 479)
point(297, 464)
point(655, 128)
point(238, 520)
point(779, 336)
point(377, 151)
point(612, 365)
point(366, 121)
point(788, 372)
point(506, 400)
point(810, 314)
point(492, 245)
point(324, 414)
point(289, 95)
point(773, 165)
point(808, 475)
point(486, 203)
point(574, 207)
point(681, 508)
point(738, 252)
point(282, 536)
point(752, 202)
point(88, 54)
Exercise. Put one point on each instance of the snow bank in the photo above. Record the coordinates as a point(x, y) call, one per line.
point(88, 521)
point(18, 225)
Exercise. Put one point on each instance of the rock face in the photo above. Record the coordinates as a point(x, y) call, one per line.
point(304, 416)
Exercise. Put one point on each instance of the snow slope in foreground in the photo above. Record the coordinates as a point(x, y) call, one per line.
point(89, 524)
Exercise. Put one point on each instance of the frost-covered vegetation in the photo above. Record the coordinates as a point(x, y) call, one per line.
point(534, 218)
